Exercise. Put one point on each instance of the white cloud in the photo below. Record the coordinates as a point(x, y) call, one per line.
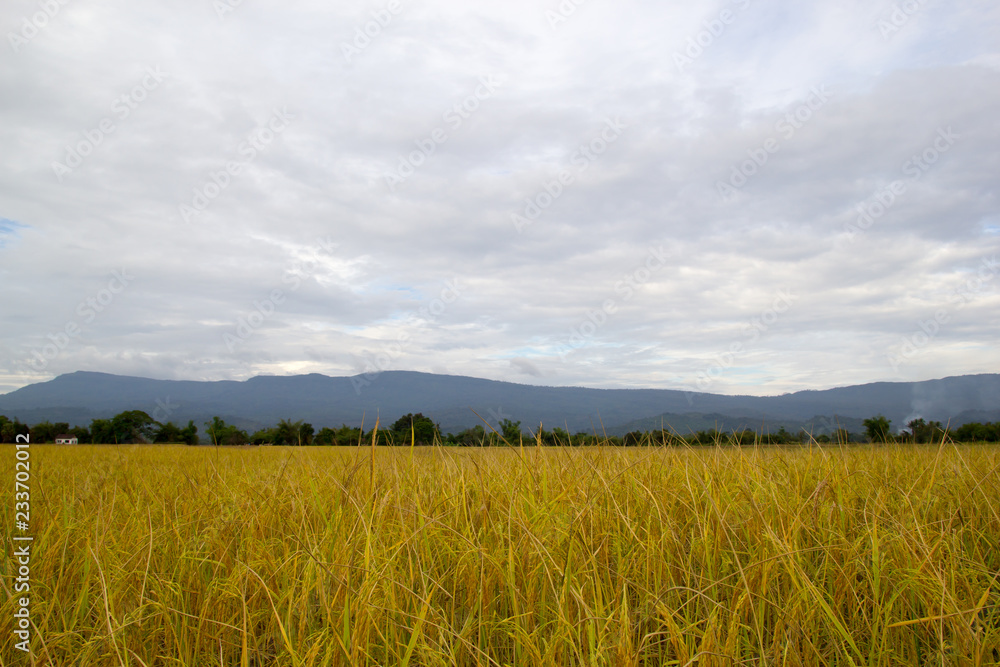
point(389, 254)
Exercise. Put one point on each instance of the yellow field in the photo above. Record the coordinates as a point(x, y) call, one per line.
point(314, 556)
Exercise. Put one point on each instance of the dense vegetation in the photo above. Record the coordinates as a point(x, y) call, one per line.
point(135, 426)
point(841, 555)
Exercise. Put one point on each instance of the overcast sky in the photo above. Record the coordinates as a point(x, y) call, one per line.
point(749, 196)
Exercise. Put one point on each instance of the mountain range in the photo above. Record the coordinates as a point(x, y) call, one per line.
point(457, 403)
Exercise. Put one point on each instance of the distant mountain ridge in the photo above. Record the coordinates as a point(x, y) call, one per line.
point(450, 400)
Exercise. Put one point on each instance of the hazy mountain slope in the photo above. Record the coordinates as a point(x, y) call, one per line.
point(450, 400)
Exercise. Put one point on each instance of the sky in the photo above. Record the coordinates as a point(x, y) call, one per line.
point(740, 197)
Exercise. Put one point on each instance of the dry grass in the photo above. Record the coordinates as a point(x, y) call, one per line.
point(643, 556)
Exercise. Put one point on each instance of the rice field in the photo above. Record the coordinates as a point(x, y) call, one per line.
point(148, 555)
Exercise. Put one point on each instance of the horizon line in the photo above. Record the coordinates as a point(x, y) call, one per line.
point(471, 377)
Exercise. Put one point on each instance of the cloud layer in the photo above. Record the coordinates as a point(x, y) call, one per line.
point(739, 197)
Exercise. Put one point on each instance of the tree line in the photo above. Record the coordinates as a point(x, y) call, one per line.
point(136, 426)
point(920, 431)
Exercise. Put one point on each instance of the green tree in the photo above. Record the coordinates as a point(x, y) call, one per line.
point(841, 436)
point(102, 432)
point(189, 434)
point(287, 433)
point(221, 433)
point(560, 437)
point(878, 429)
point(471, 437)
point(920, 431)
point(511, 431)
point(348, 436)
point(306, 432)
point(709, 437)
point(43, 432)
point(635, 438)
point(7, 430)
point(345, 436)
point(662, 438)
point(235, 436)
point(168, 432)
point(782, 437)
point(415, 429)
point(133, 426)
point(264, 436)
point(383, 438)
point(976, 432)
point(326, 437)
point(48, 432)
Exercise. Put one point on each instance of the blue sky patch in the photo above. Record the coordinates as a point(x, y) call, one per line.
point(8, 230)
